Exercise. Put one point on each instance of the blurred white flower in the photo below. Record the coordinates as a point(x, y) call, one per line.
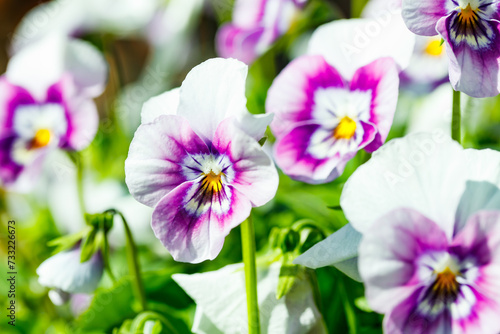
point(65, 272)
point(77, 17)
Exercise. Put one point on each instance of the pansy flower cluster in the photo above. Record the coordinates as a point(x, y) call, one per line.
point(314, 139)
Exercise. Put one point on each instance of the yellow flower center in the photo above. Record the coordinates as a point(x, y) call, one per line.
point(346, 128)
point(446, 283)
point(434, 48)
point(212, 182)
point(41, 139)
point(467, 15)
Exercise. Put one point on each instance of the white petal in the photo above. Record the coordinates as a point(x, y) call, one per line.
point(64, 17)
point(65, 272)
point(212, 92)
point(350, 44)
point(202, 324)
point(87, 66)
point(163, 104)
point(426, 172)
point(254, 125)
point(38, 66)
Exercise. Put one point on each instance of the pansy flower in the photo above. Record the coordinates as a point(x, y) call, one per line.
point(339, 98)
point(427, 172)
point(221, 307)
point(255, 26)
point(196, 160)
point(472, 36)
point(46, 103)
point(427, 280)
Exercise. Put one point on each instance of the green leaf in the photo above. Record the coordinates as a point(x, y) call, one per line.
point(89, 246)
point(111, 307)
point(262, 141)
point(362, 304)
point(288, 276)
point(66, 242)
point(289, 240)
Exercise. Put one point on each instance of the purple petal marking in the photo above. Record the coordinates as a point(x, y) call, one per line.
point(55, 94)
point(162, 155)
point(479, 242)
point(472, 71)
point(239, 43)
point(11, 97)
point(255, 175)
point(381, 78)
point(389, 254)
point(9, 169)
point(293, 157)
point(405, 319)
point(80, 111)
point(191, 236)
point(291, 96)
point(369, 135)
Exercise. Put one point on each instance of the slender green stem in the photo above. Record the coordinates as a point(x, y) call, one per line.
point(248, 248)
point(107, 266)
point(357, 7)
point(78, 161)
point(456, 118)
point(133, 263)
point(348, 307)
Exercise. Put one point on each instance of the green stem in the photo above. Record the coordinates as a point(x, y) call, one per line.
point(107, 266)
point(133, 263)
point(357, 7)
point(348, 307)
point(78, 161)
point(456, 118)
point(248, 248)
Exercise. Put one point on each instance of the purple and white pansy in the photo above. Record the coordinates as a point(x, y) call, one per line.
point(46, 103)
point(339, 98)
point(196, 159)
point(322, 120)
point(256, 25)
point(426, 281)
point(425, 216)
point(471, 32)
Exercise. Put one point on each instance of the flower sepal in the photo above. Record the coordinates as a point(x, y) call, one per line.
point(67, 242)
point(147, 322)
point(290, 243)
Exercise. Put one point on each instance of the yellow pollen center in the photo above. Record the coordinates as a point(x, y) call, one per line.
point(434, 48)
point(41, 139)
point(212, 182)
point(468, 16)
point(446, 282)
point(346, 128)
point(467, 12)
